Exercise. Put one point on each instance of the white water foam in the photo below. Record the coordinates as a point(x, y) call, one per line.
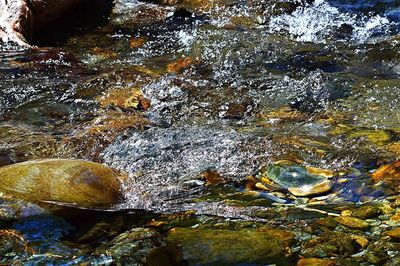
point(317, 23)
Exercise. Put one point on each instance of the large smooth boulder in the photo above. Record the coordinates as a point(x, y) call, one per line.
point(71, 182)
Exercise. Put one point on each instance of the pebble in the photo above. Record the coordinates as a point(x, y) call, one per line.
point(395, 217)
point(315, 262)
point(395, 233)
point(367, 212)
point(352, 222)
point(327, 222)
point(362, 241)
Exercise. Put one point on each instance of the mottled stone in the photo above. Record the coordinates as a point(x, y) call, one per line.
point(352, 222)
point(366, 212)
point(125, 99)
point(315, 262)
point(131, 14)
point(395, 233)
point(395, 217)
point(376, 259)
point(330, 243)
point(141, 245)
point(286, 236)
point(12, 241)
point(388, 172)
point(217, 246)
point(361, 240)
point(329, 222)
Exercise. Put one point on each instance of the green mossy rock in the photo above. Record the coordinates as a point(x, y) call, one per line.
point(367, 212)
point(229, 247)
point(73, 182)
point(352, 222)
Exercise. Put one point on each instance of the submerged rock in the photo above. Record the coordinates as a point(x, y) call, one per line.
point(388, 172)
point(367, 212)
point(352, 222)
point(229, 247)
point(315, 262)
point(141, 245)
point(90, 141)
point(388, 176)
point(13, 242)
point(299, 180)
point(72, 182)
point(125, 99)
point(394, 233)
point(328, 243)
point(134, 14)
point(177, 153)
point(20, 143)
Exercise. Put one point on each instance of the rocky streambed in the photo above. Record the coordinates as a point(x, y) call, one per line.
point(204, 133)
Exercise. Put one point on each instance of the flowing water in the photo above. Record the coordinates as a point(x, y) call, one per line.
point(234, 87)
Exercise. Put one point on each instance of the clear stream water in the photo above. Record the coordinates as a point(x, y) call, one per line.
point(329, 64)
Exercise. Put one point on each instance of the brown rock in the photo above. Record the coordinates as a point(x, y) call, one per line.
point(395, 233)
point(352, 222)
point(75, 182)
point(103, 54)
point(362, 241)
point(212, 177)
point(346, 213)
point(397, 201)
point(395, 217)
point(315, 262)
point(140, 245)
point(321, 188)
point(329, 243)
point(137, 42)
point(327, 222)
point(387, 172)
point(228, 247)
point(367, 212)
point(286, 236)
point(179, 65)
point(125, 98)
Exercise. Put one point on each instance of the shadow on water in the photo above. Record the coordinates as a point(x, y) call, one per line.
point(87, 17)
point(66, 228)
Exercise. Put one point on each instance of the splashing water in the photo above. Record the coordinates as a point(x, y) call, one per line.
point(161, 159)
point(321, 21)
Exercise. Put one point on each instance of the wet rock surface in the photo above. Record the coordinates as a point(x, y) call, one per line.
point(75, 182)
point(141, 245)
point(198, 244)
